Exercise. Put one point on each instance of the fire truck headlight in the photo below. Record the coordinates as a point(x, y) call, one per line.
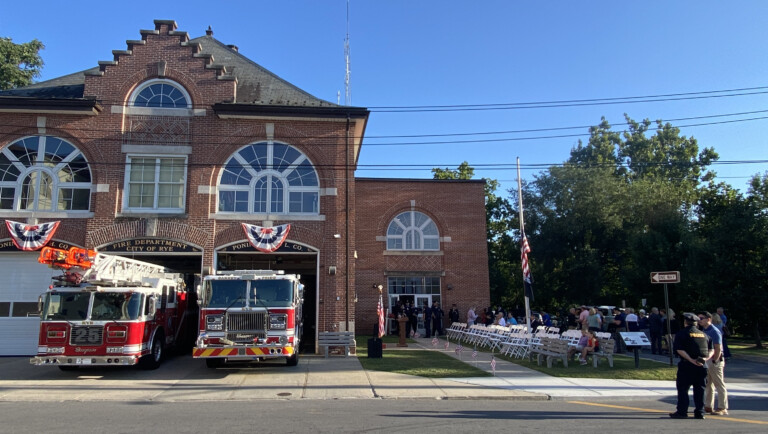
point(214, 322)
point(277, 321)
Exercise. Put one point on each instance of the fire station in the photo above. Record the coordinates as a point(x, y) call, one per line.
point(184, 153)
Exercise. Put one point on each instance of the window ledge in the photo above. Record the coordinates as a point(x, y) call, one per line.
point(152, 214)
point(413, 253)
point(46, 214)
point(270, 217)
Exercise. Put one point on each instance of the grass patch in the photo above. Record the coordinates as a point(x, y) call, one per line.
point(430, 364)
point(623, 369)
point(434, 364)
point(746, 347)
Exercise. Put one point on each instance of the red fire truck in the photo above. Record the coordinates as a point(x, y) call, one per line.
point(249, 315)
point(109, 310)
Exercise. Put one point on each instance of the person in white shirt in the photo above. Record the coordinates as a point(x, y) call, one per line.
point(631, 320)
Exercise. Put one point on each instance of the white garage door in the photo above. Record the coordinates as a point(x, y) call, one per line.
point(23, 279)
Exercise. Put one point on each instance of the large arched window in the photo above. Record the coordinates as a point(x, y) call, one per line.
point(412, 230)
point(269, 178)
point(44, 173)
point(160, 93)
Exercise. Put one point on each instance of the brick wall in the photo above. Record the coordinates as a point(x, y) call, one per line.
point(458, 210)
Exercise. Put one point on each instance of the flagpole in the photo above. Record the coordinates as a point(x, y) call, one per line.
point(522, 232)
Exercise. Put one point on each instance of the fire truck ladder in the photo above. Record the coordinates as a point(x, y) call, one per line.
point(118, 270)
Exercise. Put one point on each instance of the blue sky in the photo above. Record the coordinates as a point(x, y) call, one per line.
point(444, 53)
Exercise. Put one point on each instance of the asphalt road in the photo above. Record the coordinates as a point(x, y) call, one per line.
point(366, 415)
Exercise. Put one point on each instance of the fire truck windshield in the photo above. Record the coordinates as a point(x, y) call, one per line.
point(73, 306)
point(115, 306)
point(226, 293)
point(70, 306)
point(272, 293)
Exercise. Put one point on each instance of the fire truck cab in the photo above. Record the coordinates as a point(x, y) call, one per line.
point(118, 312)
point(249, 315)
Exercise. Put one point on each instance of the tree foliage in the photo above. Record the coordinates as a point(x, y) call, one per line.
point(20, 64)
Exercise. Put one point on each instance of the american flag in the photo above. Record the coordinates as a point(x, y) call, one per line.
point(493, 365)
point(527, 278)
point(380, 313)
point(474, 353)
point(434, 342)
point(447, 344)
point(459, 349)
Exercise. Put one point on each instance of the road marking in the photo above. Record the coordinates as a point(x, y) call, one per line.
point(621, 407)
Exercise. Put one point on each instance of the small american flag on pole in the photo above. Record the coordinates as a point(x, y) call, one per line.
point(380, 313)
point(434, 342)
point(474, 353)
point(493, 365)
point(447, 344)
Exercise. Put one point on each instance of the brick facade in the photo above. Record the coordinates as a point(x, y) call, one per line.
point(346, 235)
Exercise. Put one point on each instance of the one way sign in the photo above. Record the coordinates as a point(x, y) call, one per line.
point(665, 277)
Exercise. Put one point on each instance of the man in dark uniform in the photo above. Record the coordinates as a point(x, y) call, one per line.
point(427, 320)
point(694, 348)
point(453, 314)
point(437, 319)
point(408, 311)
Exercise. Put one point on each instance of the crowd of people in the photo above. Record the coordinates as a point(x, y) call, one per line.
point(700, 344)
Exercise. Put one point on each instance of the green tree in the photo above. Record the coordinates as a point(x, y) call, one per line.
point(20, 64)
point(620, 207)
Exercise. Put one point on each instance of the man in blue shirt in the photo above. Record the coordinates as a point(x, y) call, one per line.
point(715, 367)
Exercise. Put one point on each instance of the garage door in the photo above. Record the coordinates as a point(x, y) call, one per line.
point(22, 280)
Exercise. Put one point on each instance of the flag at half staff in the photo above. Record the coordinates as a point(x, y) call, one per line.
point(527, 278)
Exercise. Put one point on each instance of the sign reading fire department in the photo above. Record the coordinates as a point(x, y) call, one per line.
point(150, 245)
point(665, 277)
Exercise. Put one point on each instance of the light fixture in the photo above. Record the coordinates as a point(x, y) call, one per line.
point(336, 236)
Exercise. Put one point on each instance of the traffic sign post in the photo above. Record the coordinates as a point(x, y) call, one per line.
point(666, 277)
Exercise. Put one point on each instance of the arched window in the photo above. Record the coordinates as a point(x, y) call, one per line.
point(269, 178)
point(160, 94)
point(412, 230)
point(44, 173)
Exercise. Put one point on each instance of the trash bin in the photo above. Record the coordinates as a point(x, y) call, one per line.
point(374, 348)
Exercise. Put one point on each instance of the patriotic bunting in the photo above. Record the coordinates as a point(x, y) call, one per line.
point(266, 240)
point(31, 237)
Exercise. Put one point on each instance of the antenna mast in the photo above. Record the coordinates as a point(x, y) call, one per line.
point(347, 91)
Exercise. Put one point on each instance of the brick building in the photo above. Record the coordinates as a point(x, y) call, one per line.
point(163, 152)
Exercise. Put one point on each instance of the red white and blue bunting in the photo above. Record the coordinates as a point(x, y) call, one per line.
point(31, 237)
point(266, 240)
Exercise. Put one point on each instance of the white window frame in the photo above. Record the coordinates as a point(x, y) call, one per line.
point(155, 209)
point(411, 229)
point(51, 171)
point(270, 174)
point(131, 109)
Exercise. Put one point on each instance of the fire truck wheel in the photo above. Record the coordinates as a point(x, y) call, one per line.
point(155, 356)
point(293, 360)
point(214, 363)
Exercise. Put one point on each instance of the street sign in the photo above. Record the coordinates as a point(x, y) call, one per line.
point(665, 277)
